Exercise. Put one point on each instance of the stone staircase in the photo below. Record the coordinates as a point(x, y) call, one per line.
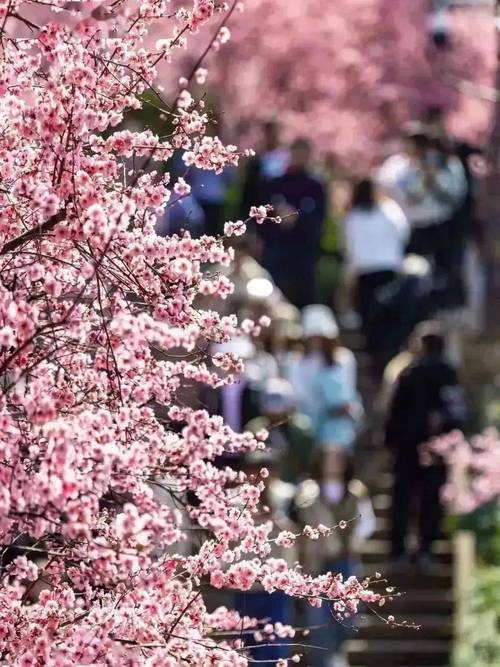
point(426, 599)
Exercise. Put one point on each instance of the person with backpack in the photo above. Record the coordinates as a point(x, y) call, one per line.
point(428, 402)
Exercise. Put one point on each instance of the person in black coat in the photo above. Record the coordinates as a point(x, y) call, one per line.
point(428, 402)
point(271, 162)
point(290, 250)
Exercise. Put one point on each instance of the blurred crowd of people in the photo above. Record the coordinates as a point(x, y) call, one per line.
point(393, 261)
point(399, 244)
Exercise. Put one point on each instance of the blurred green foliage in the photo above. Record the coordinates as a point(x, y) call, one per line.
point(484, 522)
point(479, 644)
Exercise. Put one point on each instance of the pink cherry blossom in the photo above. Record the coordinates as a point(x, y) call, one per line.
point(103, 342)
point(473, 468)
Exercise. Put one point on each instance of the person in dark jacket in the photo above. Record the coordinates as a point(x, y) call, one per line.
point(271, 162)
point(428, 402)
point(290, 249)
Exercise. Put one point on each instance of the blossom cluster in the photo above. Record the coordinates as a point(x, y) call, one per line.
point(473, 468)
point(106, 472)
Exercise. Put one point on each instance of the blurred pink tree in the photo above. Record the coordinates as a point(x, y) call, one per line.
point(349, 75)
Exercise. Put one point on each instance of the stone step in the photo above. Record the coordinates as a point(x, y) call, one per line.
point(418, 602)
point(377, 551)
point(382, 483)
point(382, 505)
point(440, 578)
point(382, 529)
point(398, 653)
point(430, 627)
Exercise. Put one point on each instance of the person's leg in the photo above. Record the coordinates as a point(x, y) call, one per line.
point(420, 242)
point(334, 460)
point(363, 298)
point(319, 620)
point(328, 633)
point(373, 324)
point(405, 482)
point(431, 512)
point(342, 630)
point(445, 259)
point(384, 322)
point(213, 218)
point(302, 281)
point(276, 608)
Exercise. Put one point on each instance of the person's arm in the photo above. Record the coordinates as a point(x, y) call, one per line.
point(449, 183)
point(366, 524)
point(350, 406)
point(399, 220)
point(453, 396)
point(350, 365)
point(348, 236)
point(250, 188)
point(315, 220)
point(387, 176)
point(415, 186)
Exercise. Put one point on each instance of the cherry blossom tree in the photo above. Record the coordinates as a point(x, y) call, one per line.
point(349, 76)
point(106, 472)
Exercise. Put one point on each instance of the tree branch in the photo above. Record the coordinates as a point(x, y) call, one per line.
point(40, 230)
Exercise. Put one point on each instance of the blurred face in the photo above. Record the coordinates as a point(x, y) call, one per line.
point(271, 136)
point(278, 417)
point(414, 150)
point(414, 344)
point(299, 157)
point(321, 344)
point(334, 465)
point(315, 343)
point(435, 156)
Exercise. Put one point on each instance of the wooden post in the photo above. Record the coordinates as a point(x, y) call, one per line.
point(464, 550)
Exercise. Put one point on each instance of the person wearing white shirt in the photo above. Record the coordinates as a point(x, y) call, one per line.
point(427, 183)
point(430, 185)
point(376, 233)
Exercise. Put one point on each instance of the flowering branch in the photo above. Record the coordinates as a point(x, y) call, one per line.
point(105, 473)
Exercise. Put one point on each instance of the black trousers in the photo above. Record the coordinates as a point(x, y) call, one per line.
point(213, 218)
point(414, 483)
point(443, 246)
point(432, 242)
point(296, 279)
point(374, 324)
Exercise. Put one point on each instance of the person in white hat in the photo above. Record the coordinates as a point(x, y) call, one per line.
point(324, 381)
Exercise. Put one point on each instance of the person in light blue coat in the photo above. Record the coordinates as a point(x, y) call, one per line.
point(324, 381)
point(338, 409)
